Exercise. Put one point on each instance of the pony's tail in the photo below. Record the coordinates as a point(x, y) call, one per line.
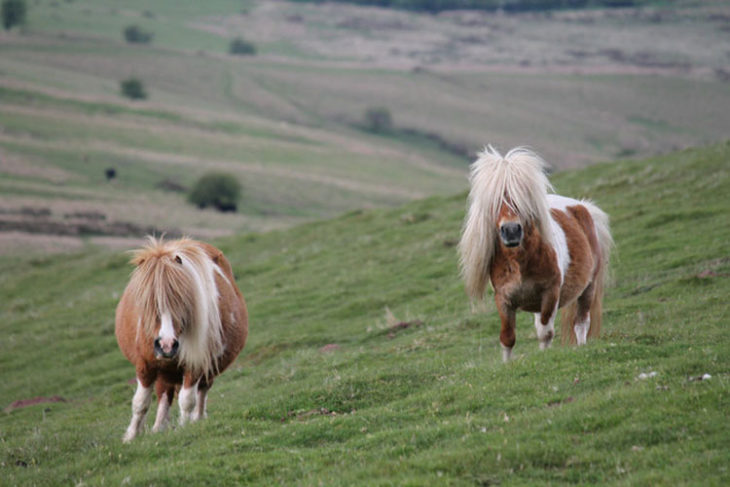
point(605, 245)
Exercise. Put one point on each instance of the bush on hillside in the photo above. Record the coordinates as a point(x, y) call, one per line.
point(13, 13)
point(219, 190)
point(136, 35)
point(378, 120)
point(133, 89)
point(242, 47)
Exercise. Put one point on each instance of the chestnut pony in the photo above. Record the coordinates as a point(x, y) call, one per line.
point(181, 321)
point(541, 251)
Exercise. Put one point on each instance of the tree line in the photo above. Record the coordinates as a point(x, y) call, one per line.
point(435, 6)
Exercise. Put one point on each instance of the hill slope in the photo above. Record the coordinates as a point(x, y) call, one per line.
point(428, 403)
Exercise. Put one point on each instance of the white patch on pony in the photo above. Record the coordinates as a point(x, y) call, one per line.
point(581, 330)
point(187, 400)
point(140, 405)
point(163, 408)
point(506, 353)
point(558, 202)
point(167, 331)
point(560, 244)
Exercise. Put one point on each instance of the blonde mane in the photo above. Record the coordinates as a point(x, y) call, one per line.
point(178, 277)
point(518, 179)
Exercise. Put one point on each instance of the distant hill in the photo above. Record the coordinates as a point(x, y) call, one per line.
point(291, 121)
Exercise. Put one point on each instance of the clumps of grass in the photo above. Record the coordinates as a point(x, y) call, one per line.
point(133, 89)
point(241, 47)
point(134, 34)
point(378, 120)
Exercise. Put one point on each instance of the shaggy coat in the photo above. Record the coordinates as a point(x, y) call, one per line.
point(540, 251)
point(181, 321)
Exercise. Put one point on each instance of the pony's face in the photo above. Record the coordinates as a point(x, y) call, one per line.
point(163, 292)
point(511, 229)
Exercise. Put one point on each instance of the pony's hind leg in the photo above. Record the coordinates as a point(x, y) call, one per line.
point(140, 405)
point(545, 320)
point(165, 395)
point(187, 399)
point(582, 323)
point(201, 407)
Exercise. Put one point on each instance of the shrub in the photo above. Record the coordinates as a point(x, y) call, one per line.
point(219, 190)
point(133, 89)
point(242, 47)
point(135, 35)
point(13, 13)
point(378, 119)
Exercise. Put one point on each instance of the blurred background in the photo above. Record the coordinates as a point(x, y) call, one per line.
point(121, 118)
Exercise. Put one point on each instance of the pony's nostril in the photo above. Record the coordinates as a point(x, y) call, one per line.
point(175, 346)
point(157, 343)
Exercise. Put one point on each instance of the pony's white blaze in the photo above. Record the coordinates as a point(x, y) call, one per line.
point(167, 331)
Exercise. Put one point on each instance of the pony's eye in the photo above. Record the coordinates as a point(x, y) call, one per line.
point(178, 259)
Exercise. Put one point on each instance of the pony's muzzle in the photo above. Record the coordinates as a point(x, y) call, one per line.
point(166, 347)
point(511, 234)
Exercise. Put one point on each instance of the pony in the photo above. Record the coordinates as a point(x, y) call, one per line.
point(181, 321)
point(540, 251)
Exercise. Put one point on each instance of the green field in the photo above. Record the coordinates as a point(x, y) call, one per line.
point(428, 404)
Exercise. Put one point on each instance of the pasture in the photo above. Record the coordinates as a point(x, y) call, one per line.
point(365, 365)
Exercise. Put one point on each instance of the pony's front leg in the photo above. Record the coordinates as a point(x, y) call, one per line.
point(507, 333)
point(140, 405)
point(545, 319)
point(188, 399)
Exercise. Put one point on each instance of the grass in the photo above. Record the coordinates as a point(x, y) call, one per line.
point(429, 404)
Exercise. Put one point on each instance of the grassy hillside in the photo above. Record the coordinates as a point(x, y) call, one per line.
point(425, 404)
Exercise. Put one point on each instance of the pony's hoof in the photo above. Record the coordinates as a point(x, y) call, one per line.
point(506, 354)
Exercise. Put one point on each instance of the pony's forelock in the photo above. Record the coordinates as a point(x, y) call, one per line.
point(517, 179)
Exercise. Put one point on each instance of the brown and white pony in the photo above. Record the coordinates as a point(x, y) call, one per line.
point(181, 321)
point(540, 251)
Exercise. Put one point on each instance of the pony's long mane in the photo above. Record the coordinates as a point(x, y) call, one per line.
point(519, 180)
point(178, 276)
